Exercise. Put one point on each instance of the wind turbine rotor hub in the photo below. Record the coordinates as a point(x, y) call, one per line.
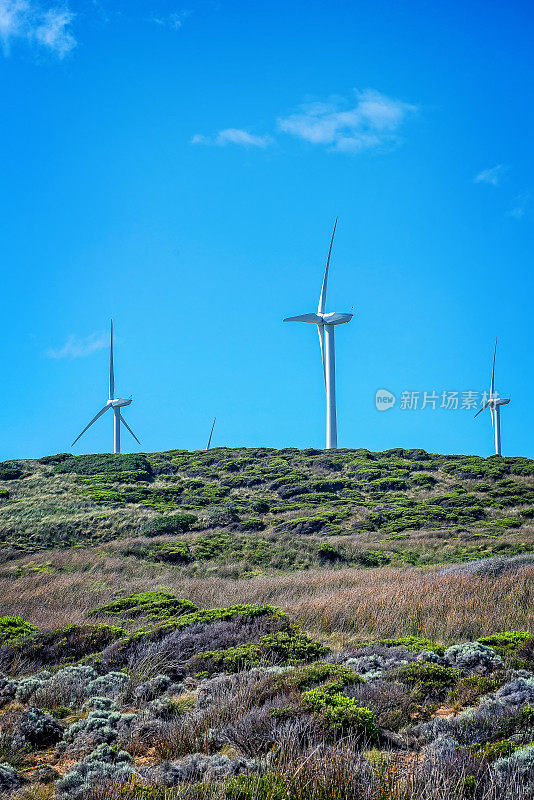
point(336, 318)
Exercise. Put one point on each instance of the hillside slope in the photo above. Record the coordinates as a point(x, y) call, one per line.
point(262, 509)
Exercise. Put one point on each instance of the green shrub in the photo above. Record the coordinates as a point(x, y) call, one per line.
point(158, 632)
point(471, 687)
point(61, 712)
point(284, 647)
point(206, 548)
point(104, 495)
point(427, 679)
point(494, 750)
point(9, 472)
point(328, 553)
point(72, 642)
point(252, 524)
point(148, 603)
point(387, 485)
point(231, 659)
point(372, 558)
point(506, 642)
point(260, 506)
point(163, 609)
point(132, 476)
point(54, 459)
point(521, 466)
point(172, 553)
point(341, 714)
point(305, 525)
point(12, 628)
point(292, 646)
point(310, 675)
point(504, 522)
point(109, 464)
point(171, 523)
point(423, 481)
point(131, 601)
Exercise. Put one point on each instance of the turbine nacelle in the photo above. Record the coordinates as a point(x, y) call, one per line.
point(332, 318)
point(120, 402)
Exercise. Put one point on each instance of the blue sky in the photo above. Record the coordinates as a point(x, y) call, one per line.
point(179, 167)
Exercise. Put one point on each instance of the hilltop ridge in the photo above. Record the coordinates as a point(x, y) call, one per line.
point(313, 506)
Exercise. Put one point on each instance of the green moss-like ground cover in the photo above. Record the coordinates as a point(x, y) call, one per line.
point(255, 508)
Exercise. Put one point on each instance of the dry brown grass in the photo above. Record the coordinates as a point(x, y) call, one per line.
point(340, 606)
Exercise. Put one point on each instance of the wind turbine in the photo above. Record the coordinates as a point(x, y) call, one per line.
point(211, 433)
point(494, 404)
point(116, 403)
point(325, 326)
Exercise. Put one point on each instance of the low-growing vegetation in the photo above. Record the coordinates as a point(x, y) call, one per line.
point(267, 625)
point(228, 702)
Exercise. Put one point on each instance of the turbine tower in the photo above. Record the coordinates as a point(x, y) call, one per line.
point(494, 404)
point(116, 403)
point(211, 433)
point(325, 326)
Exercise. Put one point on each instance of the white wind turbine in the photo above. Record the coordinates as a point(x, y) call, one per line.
point(494, 404)
point(325, 327)
point(116, 403)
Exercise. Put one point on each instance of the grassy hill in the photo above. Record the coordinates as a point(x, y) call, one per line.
point(273, 509)
point(267, 624)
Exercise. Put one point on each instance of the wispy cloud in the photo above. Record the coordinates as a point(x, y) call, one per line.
point(233, 136)
point(521, 206)
point(491, 176)
point(173, 21)
point(26, 20)
point(369, 119)
point(76, 347)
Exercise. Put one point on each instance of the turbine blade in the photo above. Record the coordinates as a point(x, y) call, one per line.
point(128, 428)
point(320, 331)
point(305, 318)
point(492, 389)
point(97, 416)
point(492, 412)
point(111, 370)
point(211, 433)
point(482, 409)
point(322, 298)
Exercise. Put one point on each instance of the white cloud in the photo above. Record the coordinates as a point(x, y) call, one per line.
point(233, 136)
point(522, 203)
point(28, 21)
point(76, 347)
point(491, 176)
point(173, 21)
point(349, 126)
